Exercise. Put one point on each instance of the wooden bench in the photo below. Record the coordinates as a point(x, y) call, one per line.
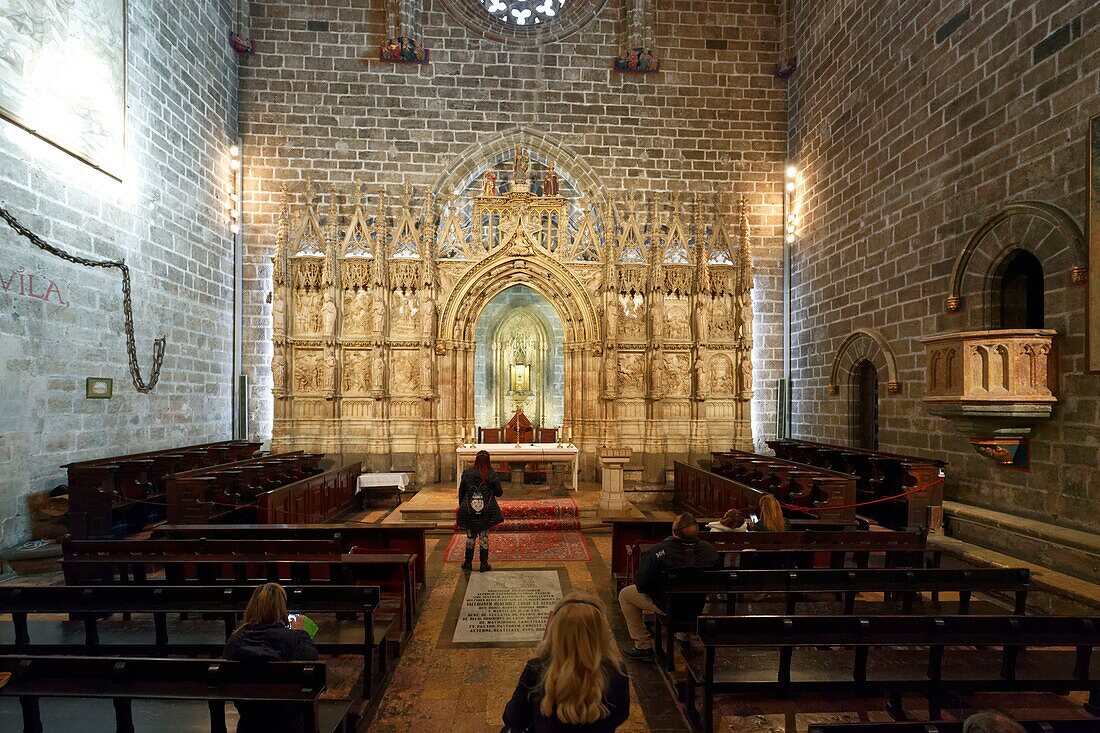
point(819, 586)
point(827, 496)
point(1069, 725)
point(794, 484)
point(626, 534)
point(407, 537)
point(878, 475)
point(125, 680)
point(391, 571)
point(792, 550)
point(835, 656)
point(317, 499)
point(120, 494)
point(228, 492)
point(88, 605)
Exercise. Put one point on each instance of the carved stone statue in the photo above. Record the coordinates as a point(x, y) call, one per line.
point(377, 371)
point(657, 318)
point(427, 317)
point(278, 370)
point(550, 182)
point(746, 320)
point(278, 312)
point(746, 374)
point(357, 313)
point(702, 322)
point(657, 375)
point(426, 371)
point(520, 166)
point(611, 373)
point(378, 312)
point(677, 374)
point(613, 312)
point(489, 185)
point(328, 315)
point(307, 317)
point(701, 385)
point(329, 373)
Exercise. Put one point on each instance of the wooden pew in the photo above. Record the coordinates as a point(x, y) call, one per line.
point(828, 496)
point(127, 491)
point(1046, 725)
point(89, 604)
point(319, 498)
point(407, 537)
point(899, 549)
point(840, 656)
point(125, 680)
point(795, 484)
point(879, 474)
point(392, 571)
point(792, 586)
point(229, 492)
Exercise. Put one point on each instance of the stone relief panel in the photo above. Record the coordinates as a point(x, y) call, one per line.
point(308, 372)
point(356, 313)
point(677, 323)
point(406, 372)
point(307, 312)
point(723, 324)
point(404, 322)
point(632, 374)
point(356, 372)
point(678, 373)
point(723, 380)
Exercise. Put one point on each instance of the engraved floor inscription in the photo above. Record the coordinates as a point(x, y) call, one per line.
point(507, 606)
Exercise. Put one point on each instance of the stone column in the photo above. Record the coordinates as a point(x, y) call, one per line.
point(612, 461)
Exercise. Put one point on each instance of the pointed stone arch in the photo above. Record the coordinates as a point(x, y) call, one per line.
point(470, 162)
point(864, 344)
point(1045, 230)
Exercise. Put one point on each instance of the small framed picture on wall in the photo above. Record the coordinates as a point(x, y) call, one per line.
point(99, 388)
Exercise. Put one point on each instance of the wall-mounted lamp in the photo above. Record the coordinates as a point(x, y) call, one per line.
point(789, 204)
point(233, 204)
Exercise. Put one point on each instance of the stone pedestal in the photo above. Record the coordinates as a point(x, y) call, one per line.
point(517, 476)
point(612, 460)
point(557, 476)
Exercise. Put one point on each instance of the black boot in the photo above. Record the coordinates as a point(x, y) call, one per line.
point(469, 563)
point(485, 567)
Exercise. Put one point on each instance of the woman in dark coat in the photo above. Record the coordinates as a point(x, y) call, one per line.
point(478, 509)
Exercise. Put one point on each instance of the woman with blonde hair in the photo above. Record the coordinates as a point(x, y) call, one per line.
point(771, 515)
point(269, 635)
point(577, 682)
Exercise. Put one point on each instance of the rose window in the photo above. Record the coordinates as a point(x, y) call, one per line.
point(524, 12)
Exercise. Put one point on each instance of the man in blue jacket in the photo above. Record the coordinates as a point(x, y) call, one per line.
point(683, 550)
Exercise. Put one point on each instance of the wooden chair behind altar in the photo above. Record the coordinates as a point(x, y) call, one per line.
point(520, 430)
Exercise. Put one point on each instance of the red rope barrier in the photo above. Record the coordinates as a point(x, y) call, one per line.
point(808, 510)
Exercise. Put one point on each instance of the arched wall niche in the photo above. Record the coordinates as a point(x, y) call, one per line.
point(864, 344)
point(1044, 230)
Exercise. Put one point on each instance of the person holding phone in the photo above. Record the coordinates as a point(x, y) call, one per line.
point(478, 510)
point(269, 634)
point(576, 681)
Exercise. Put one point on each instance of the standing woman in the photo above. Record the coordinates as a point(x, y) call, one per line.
point(478, 509)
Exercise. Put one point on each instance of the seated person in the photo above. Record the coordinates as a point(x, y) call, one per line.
point(991, 721)
point(576, 682)
point(770, 516)
point(731, 521)
point(268, 635)
point(683, 550)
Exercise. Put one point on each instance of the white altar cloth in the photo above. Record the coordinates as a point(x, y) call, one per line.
point(400, 480)
point(512, 453)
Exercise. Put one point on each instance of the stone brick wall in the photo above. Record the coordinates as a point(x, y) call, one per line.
point(314, 101)
point(912, 123)
point(166, 220)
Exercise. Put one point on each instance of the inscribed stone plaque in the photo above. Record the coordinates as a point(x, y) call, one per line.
point(507, 606)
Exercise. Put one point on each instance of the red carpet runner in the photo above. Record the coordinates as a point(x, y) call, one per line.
point(534, 529)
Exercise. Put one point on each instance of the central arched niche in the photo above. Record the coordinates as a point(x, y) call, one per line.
point(522, 312)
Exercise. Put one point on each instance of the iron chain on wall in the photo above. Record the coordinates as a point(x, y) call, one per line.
point(127, 308)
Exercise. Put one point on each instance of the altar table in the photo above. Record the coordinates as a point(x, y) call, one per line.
point(522, 453)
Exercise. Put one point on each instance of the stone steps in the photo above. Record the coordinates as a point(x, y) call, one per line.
point(1067, 551)
point(1052, 592)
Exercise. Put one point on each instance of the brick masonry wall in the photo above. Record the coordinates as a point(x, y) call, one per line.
point(314, 101)
point(166, 220)
point(913, 122)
